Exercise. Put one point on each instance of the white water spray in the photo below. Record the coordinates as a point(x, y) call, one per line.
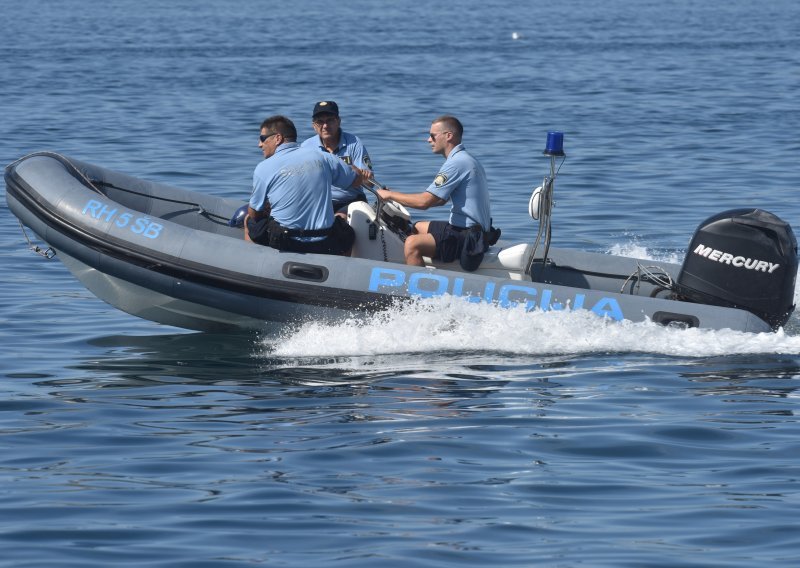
point(450, 324)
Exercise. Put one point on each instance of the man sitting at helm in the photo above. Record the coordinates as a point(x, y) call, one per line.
point(462, 181)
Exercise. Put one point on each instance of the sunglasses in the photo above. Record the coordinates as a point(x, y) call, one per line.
point(324, 121)
point(265, 137)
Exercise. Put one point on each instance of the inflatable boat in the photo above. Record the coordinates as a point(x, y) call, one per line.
point(175, 256)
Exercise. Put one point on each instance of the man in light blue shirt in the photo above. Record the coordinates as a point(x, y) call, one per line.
point(290, 207)
point(462, 181)
point(330, 138)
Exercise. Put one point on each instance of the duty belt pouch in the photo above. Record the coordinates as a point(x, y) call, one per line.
point(342, 234)
point(476, 244)
point(278, 235)
point(492, 236)
point(474, 248)
point(268, 232)
point(259, 230)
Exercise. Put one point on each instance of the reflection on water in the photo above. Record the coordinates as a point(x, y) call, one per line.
point(205, 430)
point(755, 386)
point(190, 365)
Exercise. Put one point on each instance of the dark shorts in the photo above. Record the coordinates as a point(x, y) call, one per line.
point(449, 240)
point(338, 240)
point(342, 205)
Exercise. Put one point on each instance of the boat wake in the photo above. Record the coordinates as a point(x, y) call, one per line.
point(449, 325)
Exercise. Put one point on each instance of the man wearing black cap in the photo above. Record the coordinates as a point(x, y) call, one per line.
point(332, 139)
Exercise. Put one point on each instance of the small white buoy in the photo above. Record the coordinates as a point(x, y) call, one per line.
point(515, 35)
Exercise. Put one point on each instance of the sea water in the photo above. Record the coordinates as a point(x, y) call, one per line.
point(440, 434)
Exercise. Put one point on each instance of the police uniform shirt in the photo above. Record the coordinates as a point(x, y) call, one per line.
point(462, 180)
point(296, 182)
point(351, 151)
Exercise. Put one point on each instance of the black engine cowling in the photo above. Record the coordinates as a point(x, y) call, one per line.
point(742, 258)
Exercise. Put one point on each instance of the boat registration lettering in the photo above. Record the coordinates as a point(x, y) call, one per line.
point(121, 218)
point(506, 295)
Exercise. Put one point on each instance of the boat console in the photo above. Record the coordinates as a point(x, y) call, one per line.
point(378, 241)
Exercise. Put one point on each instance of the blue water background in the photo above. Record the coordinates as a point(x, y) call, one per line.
point(445, 435)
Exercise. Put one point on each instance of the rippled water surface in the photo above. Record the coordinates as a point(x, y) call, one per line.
point(442, 434)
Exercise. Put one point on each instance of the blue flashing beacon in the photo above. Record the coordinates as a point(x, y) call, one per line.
point(555, 144)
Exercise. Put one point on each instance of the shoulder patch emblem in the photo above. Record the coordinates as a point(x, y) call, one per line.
point(440, 179)
point(368, 162)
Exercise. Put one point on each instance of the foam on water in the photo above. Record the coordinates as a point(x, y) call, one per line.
point(635, 250)
point(450, 324)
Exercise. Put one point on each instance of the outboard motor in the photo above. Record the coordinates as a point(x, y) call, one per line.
point(742, 258)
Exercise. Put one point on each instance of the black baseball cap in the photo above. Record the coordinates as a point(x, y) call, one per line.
point(328, 107)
